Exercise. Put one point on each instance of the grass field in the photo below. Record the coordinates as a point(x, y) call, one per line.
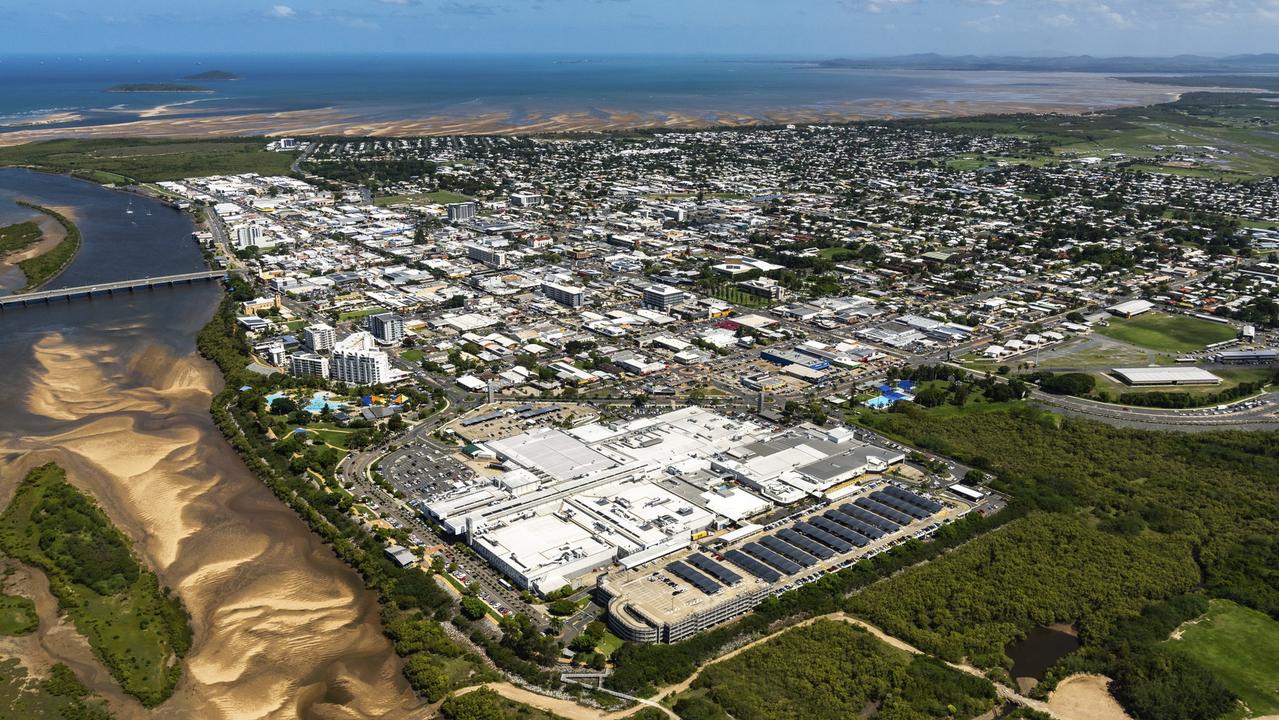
point(43, 268)
point(1197, 121)
point(1241, 647)
point(439, 197)
point(149, 160)
point(1167, 333)
point(17, 237)
point(61, 696)
point(357, 314)
point(138, 629)
point(413, 355)
point(17, 615)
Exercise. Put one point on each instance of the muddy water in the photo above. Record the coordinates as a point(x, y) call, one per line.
point(111, 389)
point(1042, 647)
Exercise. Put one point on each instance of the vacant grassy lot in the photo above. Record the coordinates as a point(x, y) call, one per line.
point(1167, 333)
point(439, 197)
point(149, 160)
point(1241, 647)
point(357, 314)
point(138, 629)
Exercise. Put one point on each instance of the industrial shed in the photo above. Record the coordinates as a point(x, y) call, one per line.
point(1166, 376)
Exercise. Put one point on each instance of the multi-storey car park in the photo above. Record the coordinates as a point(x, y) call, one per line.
point(726, 576)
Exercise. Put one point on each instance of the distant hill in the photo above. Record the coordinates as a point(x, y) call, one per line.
point(1267, 62)
point(213, 75)
point(157, 87)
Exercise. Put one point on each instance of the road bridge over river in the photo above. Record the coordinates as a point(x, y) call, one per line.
point(45, 297)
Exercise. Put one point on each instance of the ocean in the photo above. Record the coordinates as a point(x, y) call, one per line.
point(372, 89)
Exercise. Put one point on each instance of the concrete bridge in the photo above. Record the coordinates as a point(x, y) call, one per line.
point(45, 297)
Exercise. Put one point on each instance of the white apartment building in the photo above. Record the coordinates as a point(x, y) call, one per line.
point(357, 360)
point(319, 337)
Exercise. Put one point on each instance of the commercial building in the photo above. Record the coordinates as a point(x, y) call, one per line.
point(1247, 357)
point(461, 211)
point(248, 235)
point(728, 575)
point(319, 337)
point(1131, 308)
point(525, 199)
point(308, 365)
point(491, 254)
point(1166, 376)
point(571, 502)
point(662, 297)
point(387, 328)
point(567, 295)
point(357, 360)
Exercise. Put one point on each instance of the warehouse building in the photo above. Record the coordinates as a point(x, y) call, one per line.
point(1147, 376)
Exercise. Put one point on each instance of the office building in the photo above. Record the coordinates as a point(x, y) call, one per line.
point(662, 297)
point(525, 199)
point(489, 254)
point(308, 365)
point(248, 235)
point(461, 211)
point(357, 360)
point(568, 295)
point(387, 328)
point(319, 337)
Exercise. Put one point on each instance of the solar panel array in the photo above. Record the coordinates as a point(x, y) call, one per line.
point(883, 510)
point(900, 505)
point(808, 545)
point(828, 539)
point(752, 566)
point(789, 551)
point(772, 558)
point(928, 504)
point(699, 581)
point(719, 572)
point(868, 517)
point(843, 531)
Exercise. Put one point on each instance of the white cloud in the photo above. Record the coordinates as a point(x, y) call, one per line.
point(1060, 20)
point(281, 11)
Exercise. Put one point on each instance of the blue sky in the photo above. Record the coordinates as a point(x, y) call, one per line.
point(797, 28)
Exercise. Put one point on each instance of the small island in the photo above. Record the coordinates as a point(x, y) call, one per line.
point(213, 75)
point(157, 87)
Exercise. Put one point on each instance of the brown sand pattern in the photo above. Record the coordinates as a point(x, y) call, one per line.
point(1079, 94)
point(282, 628)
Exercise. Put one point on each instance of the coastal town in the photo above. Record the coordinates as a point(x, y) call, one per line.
point(956, 418)
point(632, 379)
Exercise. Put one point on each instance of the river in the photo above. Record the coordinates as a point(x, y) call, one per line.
point(111, 388)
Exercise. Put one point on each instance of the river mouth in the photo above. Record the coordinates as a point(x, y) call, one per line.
point(1042, 647)
point(112, 390)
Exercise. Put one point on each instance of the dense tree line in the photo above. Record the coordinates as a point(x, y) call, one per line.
point(1208, 499)
point(96, 577)
point(641, 667)
point(989, 592)
point(831, 669)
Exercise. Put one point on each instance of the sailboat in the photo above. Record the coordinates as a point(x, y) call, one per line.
point(129, 210)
